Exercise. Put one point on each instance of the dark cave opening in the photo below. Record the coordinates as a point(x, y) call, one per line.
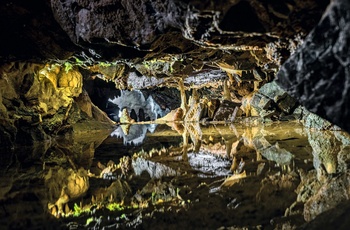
point(241, 12)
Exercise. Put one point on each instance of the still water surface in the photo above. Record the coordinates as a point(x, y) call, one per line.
point(192, 176)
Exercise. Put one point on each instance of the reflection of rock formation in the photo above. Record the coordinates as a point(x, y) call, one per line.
point(133, 134)
point(256, 139)
point(195, 133)
point(47, 173)
point(260, 189)
point(65, 167)
point(209, 165)
point(64, 186)
point(158, 191)
point(116, 192)
point(278, 189)
point(154, 169)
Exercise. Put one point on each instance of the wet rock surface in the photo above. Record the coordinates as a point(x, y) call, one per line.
point(318, 73)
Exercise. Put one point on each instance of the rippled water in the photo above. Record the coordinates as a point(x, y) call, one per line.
point(270, 176)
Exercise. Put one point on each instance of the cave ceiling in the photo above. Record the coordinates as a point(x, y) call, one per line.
point(249, 40)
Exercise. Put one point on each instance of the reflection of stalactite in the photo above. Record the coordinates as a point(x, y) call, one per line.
point(194, 112)
point(195, 97)
point(228, 144)
point(185, 145)
point(197, 107)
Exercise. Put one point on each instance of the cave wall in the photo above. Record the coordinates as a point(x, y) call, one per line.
point(231, 46)
point(318, 74)
point(40, 101)
point(30, 33)
point(111, 30)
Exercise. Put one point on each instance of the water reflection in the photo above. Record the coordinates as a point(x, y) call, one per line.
point(272, 175)
point(133, 134)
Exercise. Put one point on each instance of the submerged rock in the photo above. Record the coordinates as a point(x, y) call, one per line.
point(277, 154)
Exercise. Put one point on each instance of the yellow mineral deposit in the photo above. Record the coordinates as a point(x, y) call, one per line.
point(125, 128)
point(233, 73)
point(49, 73)
point(125, 117)
point(174, 115)
point(73, 184)
point(234, 165)
point(57, 88)
point(246, 106)
point(235, 178)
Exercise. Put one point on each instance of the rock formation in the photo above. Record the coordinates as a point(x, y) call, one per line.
point(225, 52)
point(318, 73)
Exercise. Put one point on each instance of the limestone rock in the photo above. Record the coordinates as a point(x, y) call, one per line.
point(37, 101)
point(314, 121)
point(277, 154)
point(274, 92)
point(330, 195)
point(174, 115)
point(318, 72)
point(227, 111)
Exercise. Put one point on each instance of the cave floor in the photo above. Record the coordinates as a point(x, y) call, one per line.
point(191, 176)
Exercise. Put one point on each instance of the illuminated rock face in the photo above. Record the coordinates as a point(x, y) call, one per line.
point(318, 73)
point(37, 101)
point(56, 88)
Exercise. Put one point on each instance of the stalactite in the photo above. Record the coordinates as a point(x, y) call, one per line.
point(227, 94)
point(181, 86)
point(195, 97)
